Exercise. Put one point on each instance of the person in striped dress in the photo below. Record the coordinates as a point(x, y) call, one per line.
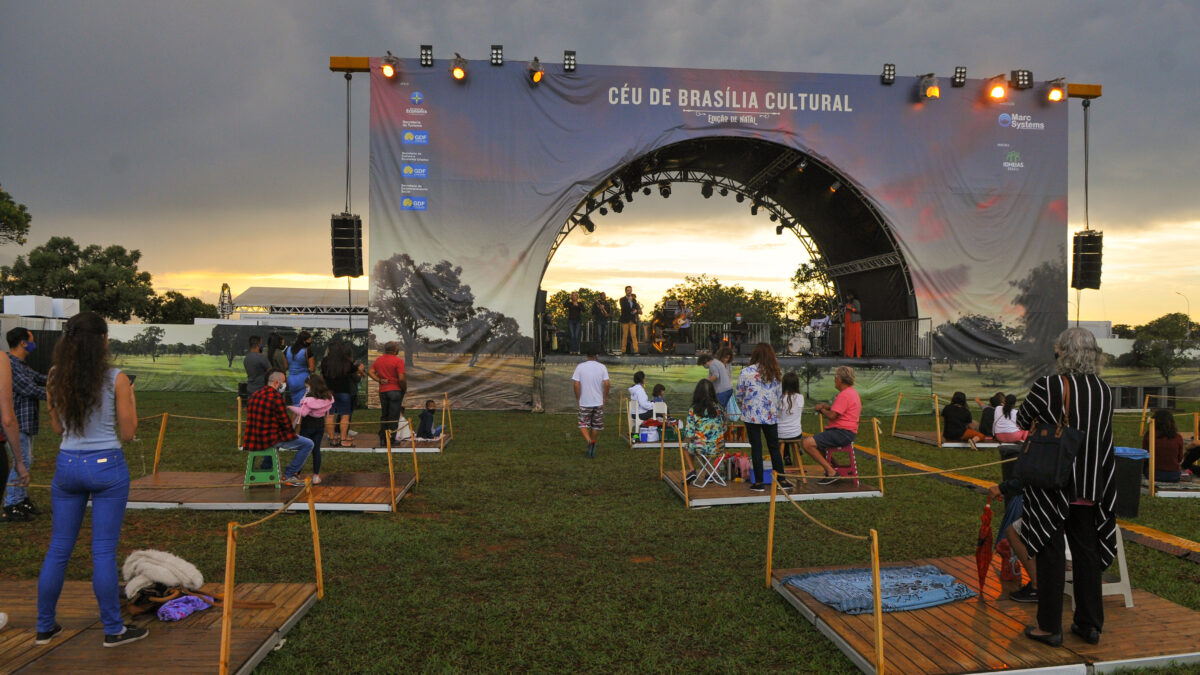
point(1085, 510)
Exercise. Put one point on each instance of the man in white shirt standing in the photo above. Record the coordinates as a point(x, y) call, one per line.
point(591, 392)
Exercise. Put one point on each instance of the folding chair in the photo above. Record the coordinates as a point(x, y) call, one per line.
point(710, 467)
point(851, 470)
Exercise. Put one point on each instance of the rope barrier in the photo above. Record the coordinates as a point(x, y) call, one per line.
point(293, 500)
point(914, 473)
point(832, 529)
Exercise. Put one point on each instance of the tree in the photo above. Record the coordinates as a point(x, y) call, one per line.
point(175, 307)
point(1165, 356)
point(104, 280)
point(556, 305)
point(1042, 296)
point(411, 297)
point(491, 332)
point(975, 338)
point(147, 341)
point(14, 220)
point(711, 301)
point(814, 296)
point(1124, 331)
point(1173, 326)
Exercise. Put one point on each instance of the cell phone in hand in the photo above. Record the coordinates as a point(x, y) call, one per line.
point(131, 378)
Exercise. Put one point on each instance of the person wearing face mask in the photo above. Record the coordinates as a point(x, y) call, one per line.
point(29, 387)
point(737, 332)
point(268, 425)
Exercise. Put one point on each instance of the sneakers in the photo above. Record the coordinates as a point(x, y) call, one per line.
point(690, 477)
point(591, 451)
point(758, 487)
point(43, 638)
point(293, 481)
point(784, 484)
point(1026, 593)
point(3, 619)
point(28, 507)
point(15, 514)
point(828, 480)
point(316, 479)
point(131, 634)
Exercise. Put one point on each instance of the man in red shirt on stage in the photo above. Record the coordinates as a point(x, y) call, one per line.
point(842, 426)
point(388, 371)
point(267, 425)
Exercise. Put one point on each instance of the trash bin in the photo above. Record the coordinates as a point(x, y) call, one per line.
point(1130, 462)
point(1008, 451)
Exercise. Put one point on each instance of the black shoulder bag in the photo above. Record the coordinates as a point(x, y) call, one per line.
point(1047, 459)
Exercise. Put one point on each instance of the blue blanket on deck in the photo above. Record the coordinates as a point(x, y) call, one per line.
point(904, 588)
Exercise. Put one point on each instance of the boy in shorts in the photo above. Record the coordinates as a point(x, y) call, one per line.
point(591, 393)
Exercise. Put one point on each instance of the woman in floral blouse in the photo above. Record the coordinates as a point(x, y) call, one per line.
point(758, 391)
point(705, 424)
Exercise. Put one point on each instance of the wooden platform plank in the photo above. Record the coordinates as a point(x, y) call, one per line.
point(209, 490)
point(740, 493)
point(930, 438)
point(368, 442)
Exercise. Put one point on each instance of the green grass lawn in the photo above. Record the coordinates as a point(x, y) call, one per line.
point(517, 554)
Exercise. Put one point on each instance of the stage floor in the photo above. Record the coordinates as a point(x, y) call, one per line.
point(337, 492)
point(930, 438)
point(369, 443)
point(190, 645)
point(986, 636)
point(739, 493)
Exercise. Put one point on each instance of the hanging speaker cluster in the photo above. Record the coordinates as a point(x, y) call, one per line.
point(1085, 263)
point(346, 234)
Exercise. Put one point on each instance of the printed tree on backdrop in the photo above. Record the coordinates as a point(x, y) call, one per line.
point(556, 306)
point(489, 331)
point(410, 297)
point(1040, 294)
point(14, 220)
point(713, 301)
point(974, 338)
point(147, 342)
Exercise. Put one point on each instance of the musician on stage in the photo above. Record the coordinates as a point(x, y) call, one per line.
point(683, 321)
point(600, 317)
point(630, 309)
point(737, 332)
point(852, 327)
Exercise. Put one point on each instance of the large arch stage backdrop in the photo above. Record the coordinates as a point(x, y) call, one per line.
point(952, 209)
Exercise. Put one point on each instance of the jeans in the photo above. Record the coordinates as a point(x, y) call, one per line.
point(771, 432)
point(103, 476)
point(391, 405)
point(723, 397)
point(16, 495)
point(573, 328)
point(303, 446)
point(602, 334)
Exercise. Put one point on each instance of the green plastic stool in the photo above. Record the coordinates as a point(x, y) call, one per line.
point(255, 476)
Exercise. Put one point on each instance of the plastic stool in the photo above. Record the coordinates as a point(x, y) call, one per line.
point(255, 476)
point(851, 470)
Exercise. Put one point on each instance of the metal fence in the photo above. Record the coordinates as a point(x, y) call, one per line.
point(703, 334)
point(901, 337)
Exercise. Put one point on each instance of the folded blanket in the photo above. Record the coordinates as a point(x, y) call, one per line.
point(903, 588)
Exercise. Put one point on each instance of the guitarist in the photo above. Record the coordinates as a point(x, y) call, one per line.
point(600, 318)
point(683, 321)
point(630, 309)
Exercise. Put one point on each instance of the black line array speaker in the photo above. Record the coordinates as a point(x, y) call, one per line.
point(1085, 263)
point(589, 348)
point(685, 349)
point(346, 234)
point(539, 303)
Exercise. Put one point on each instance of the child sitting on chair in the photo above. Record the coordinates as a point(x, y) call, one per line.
point(311, 413)
point(704, 427)
point(425, 428)
point(657, 394)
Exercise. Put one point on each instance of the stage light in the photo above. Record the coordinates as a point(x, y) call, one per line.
point(618, 205)
point(724, 192)
point(603, 210)
point(960, 77)
point(754, 209)
point(774, 217)
point(706, 189)
point(589, 205)
point(664, 189)
point(929, 87)
point(388, 66)
point(426, 56)
point(646, 190)
point(997, 90)
point(1021, 79)
point(458, 67)
point(889, 74)
point(628, 193)
point(569, 60)
point(780, 228)
point(536, 72)
point(497, 55)
point(1057, 90)
point(802, 166)
point(740, 197)
point(836, 184)
point(588, 225)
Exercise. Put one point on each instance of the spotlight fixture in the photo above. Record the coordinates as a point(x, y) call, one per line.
point(1021, 79)
point(960, 77)
point(724, 192)
point(1057, 90)
point(779, 229)
point(774, 217)
point(569, 61)
point(458, 67)
point(997, 89)
point(929, 87)
point(802, 166)
point(588, 225)
point(664, 189)
point(426, 56)
point(706, 189)
point(497, 55)
point(740, 197)
point(536, 72)
point(617, 205)
point(589, 205)
point(754, 209)
point(604, 210)
point(646, 190)
point(628, 193)
point(889, 74)
point(836, 184)
point(388, 66)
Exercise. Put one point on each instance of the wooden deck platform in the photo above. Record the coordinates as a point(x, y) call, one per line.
point(190, 645)
point(739, 493)
point(337, 492)
point(930, 438)
point(979, 636)
point(369, 442)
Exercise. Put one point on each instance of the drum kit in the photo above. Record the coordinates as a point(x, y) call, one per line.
point(810, 341)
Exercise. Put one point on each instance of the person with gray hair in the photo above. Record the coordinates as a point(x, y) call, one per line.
point(842, 427)
point(388, 371)
point(1085, 510)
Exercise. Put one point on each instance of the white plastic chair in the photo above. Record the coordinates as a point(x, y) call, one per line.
point(1121, 587)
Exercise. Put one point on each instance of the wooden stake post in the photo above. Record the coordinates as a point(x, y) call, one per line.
point(162, 434)
point(771, 530)
point(1145, 407)
point(391, 474)
point(878, 452)
point(1151, 471)
point(937, 419)
point(896, 415)
point(239, 423)
point(687, 502)
point(312, 519)
point(227, 603)
point(878, 603)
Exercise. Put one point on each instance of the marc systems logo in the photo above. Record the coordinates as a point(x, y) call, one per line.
point(1012, 161)
point(415, 138)
point(1020, 122)
point(414, 204)
point(415, 170)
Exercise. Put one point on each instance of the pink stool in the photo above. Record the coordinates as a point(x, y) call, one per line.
point(851, 470)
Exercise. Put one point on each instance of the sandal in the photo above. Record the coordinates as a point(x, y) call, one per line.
point(347, 443)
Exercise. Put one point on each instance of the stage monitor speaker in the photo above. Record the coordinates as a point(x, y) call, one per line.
point(588, 347)
point(643, 349)
point(747, 348)
point(685, 349)
point(1085, 263)
point(346, 235)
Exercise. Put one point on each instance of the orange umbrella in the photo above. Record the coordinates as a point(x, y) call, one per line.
point(983, 549)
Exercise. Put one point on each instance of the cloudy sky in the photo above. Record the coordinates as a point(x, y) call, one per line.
point(211, 136)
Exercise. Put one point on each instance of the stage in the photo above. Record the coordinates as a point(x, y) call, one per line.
point(739, 493)
point(972, 636)
point(190, 645)
point(786, 363)
point(223, 491)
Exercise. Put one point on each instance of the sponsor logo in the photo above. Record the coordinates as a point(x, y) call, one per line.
point(1012, 161)
point(414, 204)
point(416, 97)
point(1020, 122)
point(1005, 120)
point(415, 170)
point(415, 138)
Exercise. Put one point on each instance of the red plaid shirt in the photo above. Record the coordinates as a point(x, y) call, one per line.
point(267, 423)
